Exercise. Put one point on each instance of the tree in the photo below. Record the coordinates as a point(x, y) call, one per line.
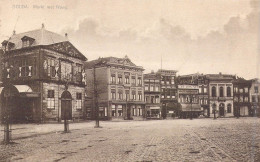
point(96, 88)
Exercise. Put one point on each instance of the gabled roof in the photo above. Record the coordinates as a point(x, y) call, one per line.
point(112, 61)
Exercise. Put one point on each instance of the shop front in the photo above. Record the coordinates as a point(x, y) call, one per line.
point(19, 104)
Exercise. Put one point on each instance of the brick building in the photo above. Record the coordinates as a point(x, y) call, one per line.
point(189, 95)
point(152, 93)
point(46, 74)
point(242, 106)
point(168, 91)
point(255, 97)
point(119, 88)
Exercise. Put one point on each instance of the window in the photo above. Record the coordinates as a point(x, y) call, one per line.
point(200, 89)
point(147, 99)
point(127, 94)
point(140, 112)
point(113, 110)
point(213, 92)
point(206, 101)
point(221, 92)
point(151, 87)
point(139, 81)
point(157, 99)
point(205, 90)
point(120, 95)
point(134, 111)
point(162, 96)
point(66, 71)
point(241, 90)
point(172, 80)
point(256, 89)
point(228, 92)
point(235, 89)
point(201, 101)
point(78, 72)
point(24, 71)
point(246, 99)
point(236, 99)
point(113, 93)
point(241, 98)
point(187, 99)
point(133, 95)
point(146, 88)
point(26, 43)
point(126, 79)
point(140, 96)
point(120, 110)
point(253, 99)
point(78, 100)
point(133, 81)
point(119, 79)
point(50, 99)
point(229, 108)
point(157, 88)
point(152, 99)
point(246, 90)
point(113, 79)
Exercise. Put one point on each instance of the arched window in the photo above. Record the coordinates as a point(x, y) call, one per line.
point(228, 91)
point(213, 92)
point(221, 92)
point(229, 108)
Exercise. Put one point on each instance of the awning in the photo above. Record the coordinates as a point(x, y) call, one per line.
point(24, 91)
point(23, 88)
point(154, 108)
point(191, 107)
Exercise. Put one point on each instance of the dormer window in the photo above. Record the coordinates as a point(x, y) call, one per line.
point(7, 45)
point(27, 41)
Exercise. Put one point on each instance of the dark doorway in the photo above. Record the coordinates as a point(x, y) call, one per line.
point(66, 105)
point(221, 109)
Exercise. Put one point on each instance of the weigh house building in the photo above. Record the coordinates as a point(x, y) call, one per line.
point(46, 74)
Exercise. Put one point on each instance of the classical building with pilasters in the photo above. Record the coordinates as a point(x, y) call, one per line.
point(221, 95)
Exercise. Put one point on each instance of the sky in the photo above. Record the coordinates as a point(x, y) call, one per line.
point(190, 36)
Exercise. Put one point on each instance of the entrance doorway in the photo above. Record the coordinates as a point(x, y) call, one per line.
point(66, 106)
point(221, 109)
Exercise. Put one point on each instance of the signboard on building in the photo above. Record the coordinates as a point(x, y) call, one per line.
point(188, 87)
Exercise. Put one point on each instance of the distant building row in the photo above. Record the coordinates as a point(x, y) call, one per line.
point(46, 78)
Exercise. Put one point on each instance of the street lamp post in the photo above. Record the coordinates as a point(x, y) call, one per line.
point(191, 97)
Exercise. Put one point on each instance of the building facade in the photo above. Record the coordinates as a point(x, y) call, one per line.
point(221, 95)
point(203, 84)
point(152, 95)
point(255, 97)
point(119, 89)
point(189, 96)
point(40, 66)
point(168, 91)
point(242, 106)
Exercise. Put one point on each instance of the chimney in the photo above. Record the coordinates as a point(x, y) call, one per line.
point(66, 35)
point(14, 32)
point(43, 26)
point(152, 71)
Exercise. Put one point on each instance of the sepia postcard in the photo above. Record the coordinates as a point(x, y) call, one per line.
point(129, 80)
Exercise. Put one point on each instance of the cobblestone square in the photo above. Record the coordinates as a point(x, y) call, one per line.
point(224, 139)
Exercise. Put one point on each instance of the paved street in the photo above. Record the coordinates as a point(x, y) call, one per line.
point(226, 139)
